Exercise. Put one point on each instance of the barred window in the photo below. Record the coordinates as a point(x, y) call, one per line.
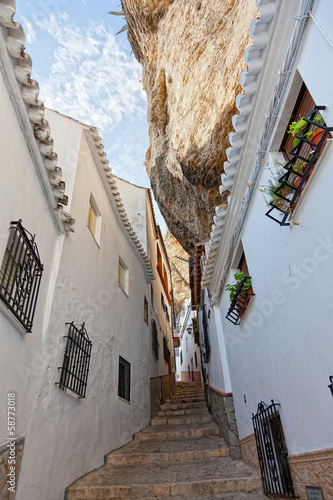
point(75, 366)
point(20, 275)
point(124, 379)
point(123, 276)
point(165, 349)
point(154, 338)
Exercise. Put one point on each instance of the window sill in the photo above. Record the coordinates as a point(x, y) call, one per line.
point(92, 234)
point(125, 400)
point(121, 288)
point(11, 318)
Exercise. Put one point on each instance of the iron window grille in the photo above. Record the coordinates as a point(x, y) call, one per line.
point(20, 275)
point(124, 379)
point(284, 206)
point(239, 303)
point(165, 349)
point(206, 337)
point(330, 386)
point(154, 338)
point(75, 366)
point(272, 451)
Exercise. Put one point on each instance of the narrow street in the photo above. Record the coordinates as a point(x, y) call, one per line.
point(180, 455)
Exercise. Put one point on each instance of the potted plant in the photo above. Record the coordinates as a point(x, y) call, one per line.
point(246, 285)
point(313, 135)
point(285, 191)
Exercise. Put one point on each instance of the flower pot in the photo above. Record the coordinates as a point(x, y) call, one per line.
point(297, 181)
point(316, 138)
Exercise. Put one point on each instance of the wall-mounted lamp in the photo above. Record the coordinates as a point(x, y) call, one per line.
point(189, 330)
point(331, 384)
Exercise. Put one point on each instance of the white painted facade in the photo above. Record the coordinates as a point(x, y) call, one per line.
point(65, 437)
point(188, 359)
point(282, 349)
point(139, 209)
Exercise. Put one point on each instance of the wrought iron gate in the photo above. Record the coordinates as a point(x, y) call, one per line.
point(272, 451)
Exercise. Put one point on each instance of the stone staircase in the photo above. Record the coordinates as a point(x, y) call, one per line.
point(180, 456)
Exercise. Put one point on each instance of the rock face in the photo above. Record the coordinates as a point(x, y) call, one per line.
point(192, 54)
point(178, 259)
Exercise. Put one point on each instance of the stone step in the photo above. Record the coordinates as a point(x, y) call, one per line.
point(169, 451)
point(182, 420)
point(183, 406)
point(189, 411)
point(224, 496)
point(186, 399)
point(195, 477)
point(178, 431)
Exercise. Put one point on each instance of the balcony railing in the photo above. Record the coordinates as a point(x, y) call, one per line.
point(240, 302)
point(306, 152)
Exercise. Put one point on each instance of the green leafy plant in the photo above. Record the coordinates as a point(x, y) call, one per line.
point(232, 288)
point(120, 13)
point(297, 127)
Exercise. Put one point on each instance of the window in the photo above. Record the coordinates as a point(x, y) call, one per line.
point(181, 357)
point(123, 276)
point(195, 359)
point(94, 219)
point(241, 292)
point(165, 349)
point(20, 275)
point(124, 379)
point(154, 338)
point(75, 366)
point(145, 310)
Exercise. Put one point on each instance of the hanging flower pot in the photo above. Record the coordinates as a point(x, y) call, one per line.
point(316, 137)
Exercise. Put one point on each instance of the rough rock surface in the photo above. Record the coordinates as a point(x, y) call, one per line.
point(192, 54)
point(178, 259)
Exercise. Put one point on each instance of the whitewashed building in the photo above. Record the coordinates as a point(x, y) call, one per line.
point(75, 355)
point(188, 359)
point(271, 346)
point(159, 302)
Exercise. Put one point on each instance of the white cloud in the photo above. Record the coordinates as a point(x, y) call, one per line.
point(30, 33)
point(91, 79)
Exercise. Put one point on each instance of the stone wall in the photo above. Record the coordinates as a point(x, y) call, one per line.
point(313, 469)
point(161, 388)
point(223, 412)
point(5, 452)
point(249, 451)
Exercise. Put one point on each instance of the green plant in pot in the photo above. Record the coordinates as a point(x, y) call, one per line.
point(232, 288)
point(285, 191)
point(297, 127)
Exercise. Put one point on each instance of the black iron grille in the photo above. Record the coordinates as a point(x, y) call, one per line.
point(206, 337)
point(272, 451)
point(165, 349)
point(239, 303)
point(20, 275)
point(154, 338)
point(75, 367)
point(287, 195)
point(124, 379)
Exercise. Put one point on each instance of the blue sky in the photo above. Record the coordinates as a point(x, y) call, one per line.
point(88, 73)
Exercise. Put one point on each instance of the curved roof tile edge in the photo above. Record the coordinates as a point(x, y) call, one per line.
point(248, 79)
point(22, 67)
point(118, 201)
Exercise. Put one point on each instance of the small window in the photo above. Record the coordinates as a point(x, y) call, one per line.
point(195, 359)
point(124, 379)
point(165, 349)
point(20, 275)
point(75, 366)
point(181, 357)
point(154, 338)
point(145, 308)
point(94, 220)
point(123, 276)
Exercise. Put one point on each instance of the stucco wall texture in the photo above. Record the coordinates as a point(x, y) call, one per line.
point(192, 56)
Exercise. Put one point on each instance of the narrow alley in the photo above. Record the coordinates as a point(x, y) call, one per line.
point(180, 455)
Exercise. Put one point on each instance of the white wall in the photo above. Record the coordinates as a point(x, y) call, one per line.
point(66, 437)
point(283, 348)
